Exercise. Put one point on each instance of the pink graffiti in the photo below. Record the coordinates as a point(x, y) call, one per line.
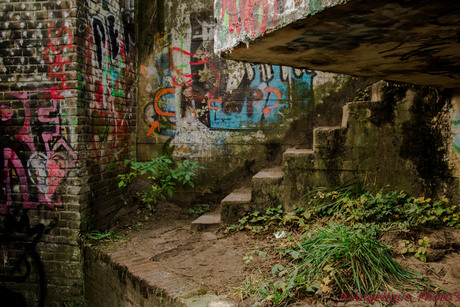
point(241, 14)
point(7, 113)
point(45, 170)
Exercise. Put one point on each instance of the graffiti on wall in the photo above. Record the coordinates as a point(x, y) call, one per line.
point(108, 81)
point(35, 152)
point(456, 132)
point(249, 16)
point(20, 258)
point(221, 94)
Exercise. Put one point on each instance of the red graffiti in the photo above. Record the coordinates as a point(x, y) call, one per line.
point(253, 15)
point(182, 79)
point(55, 54)
point(108, 83)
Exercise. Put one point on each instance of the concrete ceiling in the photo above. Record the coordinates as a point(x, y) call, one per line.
point(408, 41)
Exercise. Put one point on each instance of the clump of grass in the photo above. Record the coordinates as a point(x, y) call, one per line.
point(342, 259)
point(333, 260)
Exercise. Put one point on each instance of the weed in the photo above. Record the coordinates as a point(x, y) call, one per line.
point(97, 235)
point(420, 251)
point(362, 94)
point(331, 261)
point(163, 175)
point(380, 210)
point(198, 210)
point(257, 222)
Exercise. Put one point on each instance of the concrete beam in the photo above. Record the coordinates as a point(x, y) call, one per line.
point(409, 41)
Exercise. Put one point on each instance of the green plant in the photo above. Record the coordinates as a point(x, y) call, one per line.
point(163, 175)
point(257, 222)
point(422, 250)
point(97, 235)
point(333, 260)
point(198, 210)
point(362, 94)
point(382, 210)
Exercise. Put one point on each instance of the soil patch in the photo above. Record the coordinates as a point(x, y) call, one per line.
point(215, 259)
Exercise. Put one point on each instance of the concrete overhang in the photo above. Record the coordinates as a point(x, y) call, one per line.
point(409, 41)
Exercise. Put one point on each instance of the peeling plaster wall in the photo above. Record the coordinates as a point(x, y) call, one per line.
point(226, 114)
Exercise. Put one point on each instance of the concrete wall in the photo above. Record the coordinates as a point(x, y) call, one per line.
point(406, 41)
point(226, 114)
point(405, 138)
point(66, 93)
point(246, 20)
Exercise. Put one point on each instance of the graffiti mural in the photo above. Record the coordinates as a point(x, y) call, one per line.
point(108, 81)
point(194, 83)
point(35, 152)
point(252, 17)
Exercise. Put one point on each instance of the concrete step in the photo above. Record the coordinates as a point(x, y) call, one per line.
point(207, 222)
point(297, 166)
point(298, 158)
point(267, 190)
point(327, 138)
point(235, 205)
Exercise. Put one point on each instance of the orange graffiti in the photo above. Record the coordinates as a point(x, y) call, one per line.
point(268, 110)
point(215, 101)
point(161, 92)
point(153, 125)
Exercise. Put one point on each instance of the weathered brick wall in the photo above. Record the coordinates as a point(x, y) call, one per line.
point(39, 202)
point(67, 96)
point(107, 100)
point(110, 284)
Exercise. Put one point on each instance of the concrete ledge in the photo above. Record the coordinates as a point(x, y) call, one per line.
point(121, 279)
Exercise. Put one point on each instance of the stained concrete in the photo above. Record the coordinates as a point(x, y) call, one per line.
point(415, 42)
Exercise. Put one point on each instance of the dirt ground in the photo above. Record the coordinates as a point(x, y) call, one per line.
point(215, 258)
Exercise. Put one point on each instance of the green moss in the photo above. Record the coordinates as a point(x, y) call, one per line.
point(426, 137)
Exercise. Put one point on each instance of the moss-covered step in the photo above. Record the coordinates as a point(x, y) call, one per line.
point(267, 189)
point(236, 205)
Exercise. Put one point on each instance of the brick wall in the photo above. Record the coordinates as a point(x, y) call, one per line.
point(67, 92)
point(107, 100)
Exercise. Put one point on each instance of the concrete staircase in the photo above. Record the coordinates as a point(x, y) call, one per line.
point(301, 170)
point(357, 148)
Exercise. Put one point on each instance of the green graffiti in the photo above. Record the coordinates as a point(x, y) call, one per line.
point(315, 6)
point(114, 77)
